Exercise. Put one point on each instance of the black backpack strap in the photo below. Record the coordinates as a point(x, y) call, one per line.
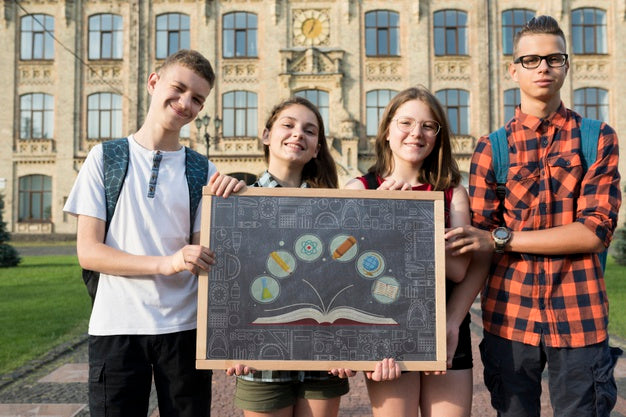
point(372, 180)
point(196, 171)
point(114, 166)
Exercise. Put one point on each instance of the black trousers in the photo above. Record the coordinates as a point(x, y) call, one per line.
point(121, 369)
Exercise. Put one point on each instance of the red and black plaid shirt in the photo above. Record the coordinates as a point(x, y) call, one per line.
point(563, 297)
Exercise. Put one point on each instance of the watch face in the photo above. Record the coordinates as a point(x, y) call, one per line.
point(501, 233)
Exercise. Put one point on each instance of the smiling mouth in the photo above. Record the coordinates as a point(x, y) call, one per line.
point(294, 146)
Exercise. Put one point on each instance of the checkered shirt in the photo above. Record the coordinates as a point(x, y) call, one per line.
point(560, 298)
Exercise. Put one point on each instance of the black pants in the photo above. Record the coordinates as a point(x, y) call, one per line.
point(580, 380)
point(121, 370)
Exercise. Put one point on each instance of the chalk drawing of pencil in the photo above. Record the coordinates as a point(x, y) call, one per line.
point(276, 257)
point(344, 247)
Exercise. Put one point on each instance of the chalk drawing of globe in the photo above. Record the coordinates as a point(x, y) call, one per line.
point(370, 264)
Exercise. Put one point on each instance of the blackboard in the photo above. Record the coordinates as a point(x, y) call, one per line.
point(315, 279)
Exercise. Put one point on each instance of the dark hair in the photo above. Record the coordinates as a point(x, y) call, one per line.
point(193, 60)
point(537, 26)
point(319, 172)
point(439, 169)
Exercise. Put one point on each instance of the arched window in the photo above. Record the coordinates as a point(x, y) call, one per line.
point(592, 102)
point(105, 36)
point(35, 198)
point(511, 99)
point(240, 114)
point(172, 34)
point(450, 32)
point(589, 31)
point(382, 29)
point(104, 116)
point(239, 35)
point(376, 101)
point(512, 21)
point(456, 103)
point(36, 116)
point(36, 37)
point(320, 99)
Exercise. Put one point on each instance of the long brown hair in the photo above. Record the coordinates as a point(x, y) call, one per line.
point(439, 169)
point(319, 172)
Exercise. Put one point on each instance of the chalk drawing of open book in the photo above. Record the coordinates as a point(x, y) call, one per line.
point(309, 314)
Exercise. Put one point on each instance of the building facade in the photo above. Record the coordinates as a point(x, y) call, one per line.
point(75, 73)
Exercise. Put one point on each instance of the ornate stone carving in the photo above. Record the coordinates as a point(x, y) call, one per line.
point(36, 147)
point(456, 69)
point(463, 144)
point(240, 72)
point(590, 69)
point(383, 70)
point(104, 73)
point(239, 146)
point(40, 73)
point(312, 61)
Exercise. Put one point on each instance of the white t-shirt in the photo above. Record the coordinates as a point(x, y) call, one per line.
point(147, 304)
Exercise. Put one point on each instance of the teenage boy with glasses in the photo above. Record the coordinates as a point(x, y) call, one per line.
point(545, 299)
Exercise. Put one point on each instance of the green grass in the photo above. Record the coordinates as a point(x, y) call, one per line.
point(43, 303)
point(615, 277)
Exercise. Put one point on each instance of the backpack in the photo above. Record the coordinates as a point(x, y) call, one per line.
point(115, 155)
point(589, 134)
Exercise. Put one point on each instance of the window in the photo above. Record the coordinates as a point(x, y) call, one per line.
point(239, 35)
point(172, 34)
point(105, 36)
point(320, 99)
point(512, 22)
point(381, 33)
point(36, 116)
point(240, 114)
point(592, 103)
point(35, 198)
point(37, 40)
point(450, 32)
point(104, 116)
point(589, 31)
point(456, 103)
point(511, 99)
point(376, 101)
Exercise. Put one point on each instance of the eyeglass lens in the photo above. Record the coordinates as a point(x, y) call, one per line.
point(407, 124)
point(533, 61)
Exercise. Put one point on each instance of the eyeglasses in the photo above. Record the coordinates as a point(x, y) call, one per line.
point(407, 124)
point(533, 61)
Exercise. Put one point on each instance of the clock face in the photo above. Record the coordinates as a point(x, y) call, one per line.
point(311, 27)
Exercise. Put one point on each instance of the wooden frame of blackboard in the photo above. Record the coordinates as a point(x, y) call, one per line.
point(436, 298)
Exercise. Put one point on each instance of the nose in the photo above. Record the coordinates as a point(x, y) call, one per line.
point(185, 100)
point(543, 64)
point(416, 130)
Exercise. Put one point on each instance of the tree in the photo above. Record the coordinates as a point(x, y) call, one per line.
point(8, 254)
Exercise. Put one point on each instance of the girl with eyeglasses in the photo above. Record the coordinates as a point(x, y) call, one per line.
point(413, 152)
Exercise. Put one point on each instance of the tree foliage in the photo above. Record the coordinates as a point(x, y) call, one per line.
point(8, 254)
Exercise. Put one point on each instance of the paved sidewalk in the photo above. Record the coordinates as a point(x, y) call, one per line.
point(55, 386)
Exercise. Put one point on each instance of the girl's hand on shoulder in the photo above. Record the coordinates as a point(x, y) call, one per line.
point(390, 184)
point(224, 185)
point(386, 370)
point(240, 369)
point(342, 372)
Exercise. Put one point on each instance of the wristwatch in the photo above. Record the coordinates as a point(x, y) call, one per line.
point(501, 236)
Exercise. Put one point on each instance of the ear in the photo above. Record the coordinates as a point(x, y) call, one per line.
point(152, 80)
point(265, 138)
point(513, 71)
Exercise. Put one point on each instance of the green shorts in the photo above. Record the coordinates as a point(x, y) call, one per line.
point(260, 396)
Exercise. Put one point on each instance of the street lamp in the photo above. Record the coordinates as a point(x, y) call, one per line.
point(203, 121)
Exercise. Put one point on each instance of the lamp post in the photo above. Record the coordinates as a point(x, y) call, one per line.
point(202, 124)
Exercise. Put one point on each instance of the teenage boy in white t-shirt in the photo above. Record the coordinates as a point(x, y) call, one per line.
point(143, 321)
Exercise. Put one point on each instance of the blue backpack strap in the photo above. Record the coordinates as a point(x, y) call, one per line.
point(196, 171)
point(114, 165)
point(500, 159)
point(589, 134)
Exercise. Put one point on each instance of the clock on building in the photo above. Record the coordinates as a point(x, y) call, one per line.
point(311, 27)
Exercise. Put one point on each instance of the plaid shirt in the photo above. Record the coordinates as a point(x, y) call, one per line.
point(562, 298)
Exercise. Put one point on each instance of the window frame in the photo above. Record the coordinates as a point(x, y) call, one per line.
point(183, 34)
point(249, 114)
point(507, 107)
point(391, 32)
point(115, 34)
point(579, 32)
point(314, 95)
point(379, 108)
point(43, 36)
point(600, 106)
point(462, 110)
point(44, 114)
point(513, 27)
point(446, 29)
point(114, 114)
point(26, 199)
point(248, 32)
